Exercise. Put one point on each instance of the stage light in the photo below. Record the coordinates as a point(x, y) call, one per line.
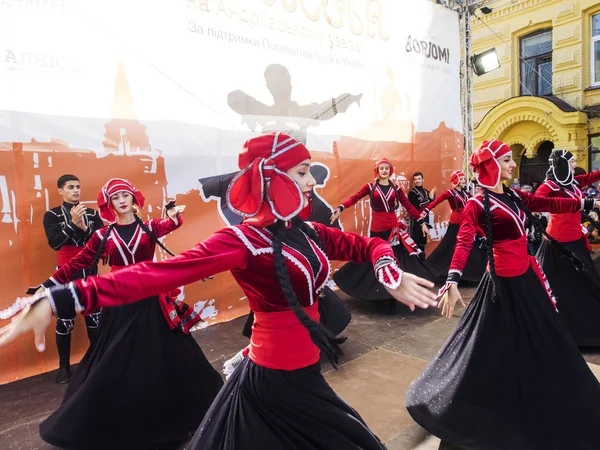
point(485, 62)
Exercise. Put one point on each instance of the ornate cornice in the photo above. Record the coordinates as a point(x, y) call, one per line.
point(511, 9)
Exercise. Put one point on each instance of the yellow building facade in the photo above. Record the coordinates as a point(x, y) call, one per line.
point(546, 93)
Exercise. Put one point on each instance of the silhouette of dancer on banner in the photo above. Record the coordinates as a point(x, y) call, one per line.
point(285, 114)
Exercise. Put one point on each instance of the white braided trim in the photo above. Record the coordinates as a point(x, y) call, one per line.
point(384, 260)
point(293, 260)
point(120, 250)
point(316, 248)
point(393, 272)
point(78, 307)
point(23, 302)
point(327, 279)
point(48, 294)
point(136, 245)
point(304, 271)
point(255, 251)
point(317, 251)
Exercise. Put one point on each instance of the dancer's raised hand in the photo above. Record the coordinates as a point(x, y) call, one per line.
point(334, 216)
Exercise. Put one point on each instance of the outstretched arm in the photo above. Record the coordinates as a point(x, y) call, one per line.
point(83, 260)
point(364, 191)
point(404, 287)
point(464, 240)
point(445, 196)
point(343, 246)
point(543, 190)
point(220, 252)
point(588, 178)
point(554, 205)
point(162, 227)
point(329, 108)
point(464, 243)
point(244, 104)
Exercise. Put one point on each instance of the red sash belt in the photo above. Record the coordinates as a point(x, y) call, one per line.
point(565, 227)
point(511, 257)
point(511, 260)
point(65, 253)
point(383, 221)
point(279, 340)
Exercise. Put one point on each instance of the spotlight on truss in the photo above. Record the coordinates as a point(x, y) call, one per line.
point(485, 62)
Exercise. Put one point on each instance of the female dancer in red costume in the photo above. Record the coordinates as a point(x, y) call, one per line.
point(144, 381)
point(277, 397)
point(577, 288)
point(509, 376)
point(439, 260)
point(359, 280)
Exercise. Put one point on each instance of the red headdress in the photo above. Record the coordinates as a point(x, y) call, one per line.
point(263, 192)
point(380, 162)
point(456, 176)
point(485, 162)
point(112, 187)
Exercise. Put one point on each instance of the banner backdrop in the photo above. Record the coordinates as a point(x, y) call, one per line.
point(165, 92)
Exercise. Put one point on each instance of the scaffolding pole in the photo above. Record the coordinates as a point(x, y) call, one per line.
point(465, 10)
point(467, 88)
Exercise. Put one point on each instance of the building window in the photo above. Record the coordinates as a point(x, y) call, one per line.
point(536, 63)
point(594, 152)
point(595, 49)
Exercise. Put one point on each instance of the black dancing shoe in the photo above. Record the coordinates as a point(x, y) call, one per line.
point(64, 375)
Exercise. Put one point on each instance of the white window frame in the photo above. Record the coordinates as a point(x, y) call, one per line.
point(593, 41)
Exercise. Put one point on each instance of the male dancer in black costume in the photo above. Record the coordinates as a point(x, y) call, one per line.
point(420, 198)
point(68, 227)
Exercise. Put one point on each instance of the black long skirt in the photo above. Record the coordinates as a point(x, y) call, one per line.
point(577, 293)
point(264, 409)
point(335, 314)
point(440, 259)
point(360, 282)
point(509, 377)
point(140, 385)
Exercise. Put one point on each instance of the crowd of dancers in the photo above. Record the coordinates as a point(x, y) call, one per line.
point(510, 376)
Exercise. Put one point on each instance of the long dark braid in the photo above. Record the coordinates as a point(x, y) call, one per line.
point(321, 336)
point(490, 244)
point(100, 250)
point(149, 232)
point(578, 264)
